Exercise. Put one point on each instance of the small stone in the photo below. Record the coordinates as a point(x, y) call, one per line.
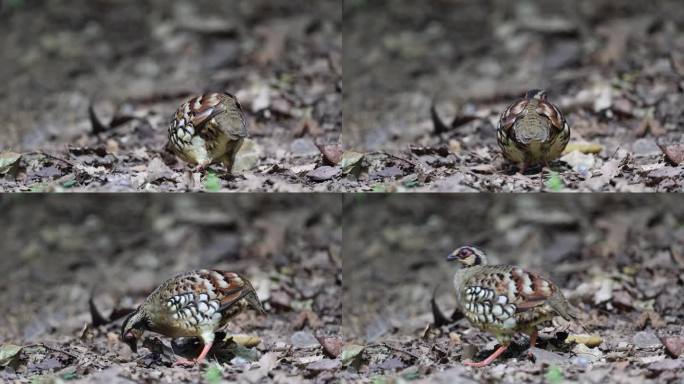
point(674, 345)
point(324, 365)
point(303, 339)
point(645, 147)
point(303, 147)
point(548, 357)
point(674, 153)
point(332, 346)
point(324, 173)
point(645, 339)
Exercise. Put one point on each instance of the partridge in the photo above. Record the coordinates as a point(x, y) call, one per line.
point(532, 131)
point(208, 129)
point(504, 299)
point(196, 303)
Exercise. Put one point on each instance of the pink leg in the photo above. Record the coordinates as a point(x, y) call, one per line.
point(487, 360)
point(189, 363)
point(183, 362)
point(205, 350)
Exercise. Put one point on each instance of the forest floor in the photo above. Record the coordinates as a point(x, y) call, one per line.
point(615, 69)
point(92, 85)
point(618, 259)
point(67, 253)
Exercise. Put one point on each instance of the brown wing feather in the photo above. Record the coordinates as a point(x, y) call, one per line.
point(511, 114)
point(532, 289)
point(548, 110)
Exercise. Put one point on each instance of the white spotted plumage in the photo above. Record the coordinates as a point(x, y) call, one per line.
point(504, 299)
point(196, 303)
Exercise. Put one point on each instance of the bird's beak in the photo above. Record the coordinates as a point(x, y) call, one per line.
point(452, 256)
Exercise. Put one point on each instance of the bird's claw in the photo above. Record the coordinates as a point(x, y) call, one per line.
point(183, 362)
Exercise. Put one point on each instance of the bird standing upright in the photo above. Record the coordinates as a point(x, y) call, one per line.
point(504, 299)
point(532, 131)
point(196, 303)
point(208, 129)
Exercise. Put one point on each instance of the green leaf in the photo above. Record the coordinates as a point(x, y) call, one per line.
point(69, 183)
point(554, 183)
point(350, 352)
point(8, 160)
point(212, 183)
point(554, 375)
point(378, 380)
point(214, 374)
point(38, 187)
point(8, 352)
point(350, 160)
point(415, 375)
point(380, 188)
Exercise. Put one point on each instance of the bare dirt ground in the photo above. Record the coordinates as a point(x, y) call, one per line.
point(63, 251)
point(614, 67)
point(618, 259)
point(134, 62)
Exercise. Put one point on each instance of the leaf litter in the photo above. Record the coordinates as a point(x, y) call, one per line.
point(112, 98)
point(63, 324)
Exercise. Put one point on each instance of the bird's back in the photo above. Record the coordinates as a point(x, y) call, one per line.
point(190, 303)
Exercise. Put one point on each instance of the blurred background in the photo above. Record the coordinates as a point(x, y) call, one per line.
point(474, 56)
point(615, 68)
point(618, 259)
point(136, 61)
point(58, 252)
point(395, 250)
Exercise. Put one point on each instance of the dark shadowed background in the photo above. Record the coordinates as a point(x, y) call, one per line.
point(59, 251)
point(614, 67)
point(137, 61)
point(617, 258)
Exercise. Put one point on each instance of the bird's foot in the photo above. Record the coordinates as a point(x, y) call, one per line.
point(476, 364)
point(488, 360)
point(183, 362)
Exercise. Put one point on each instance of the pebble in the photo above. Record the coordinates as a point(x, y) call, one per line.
point(645, 339)
point(303, 339)
point(645, 147)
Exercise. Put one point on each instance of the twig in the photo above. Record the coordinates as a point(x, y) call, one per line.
point(397, 349)
point(41, 345)
point(394, 157)
point(54, 157)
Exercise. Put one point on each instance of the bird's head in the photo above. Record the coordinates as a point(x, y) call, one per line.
point(133, 327)
point(468, 256)
point(538, 94)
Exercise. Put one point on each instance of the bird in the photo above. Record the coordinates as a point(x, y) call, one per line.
point(532, 131)
point(208, 129)
point(196, 303)
point(504, 299)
